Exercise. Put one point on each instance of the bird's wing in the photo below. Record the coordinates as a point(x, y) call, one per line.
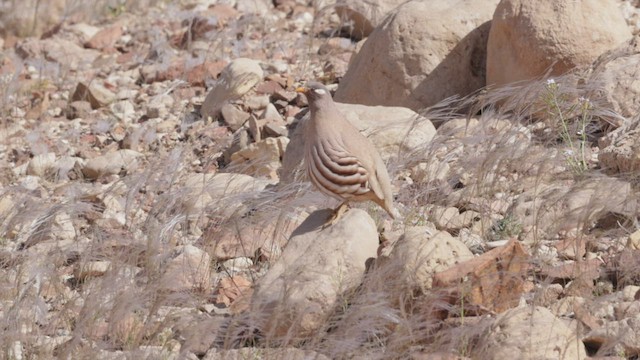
point(337, 170)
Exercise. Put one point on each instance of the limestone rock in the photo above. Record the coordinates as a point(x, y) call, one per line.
point(553, 208)
point(625, 332)
point(95, 93)
point(111, 163)
point(234, 116)
point(494, 280)
point(60, 51)
point(236, 79)
point(423, 254)
point(249, 236)
point(424, 52)
point(317, 266)
point(41, 165)
point(263, 353)
point(260, 159)
point(615, 78)
point(532, 333)
point(364, 15)
point(225, 192)
point(528, 38)
point(188, 269)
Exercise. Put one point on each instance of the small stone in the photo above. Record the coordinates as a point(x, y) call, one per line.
point(105, 38)
point(95, 93)
point(233, 116)
point(276, 130)
point(634, 241)
point(271, 113)
point(189, 269)
point(41, 165)
point(111, 163)
point(237, 264)
point(30, 182)
point(256, 102)
point(123, 110)
point(78, 110)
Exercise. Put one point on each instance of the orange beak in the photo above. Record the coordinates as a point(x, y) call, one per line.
point(301, 89)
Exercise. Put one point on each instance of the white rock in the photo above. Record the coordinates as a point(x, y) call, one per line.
point(111, 163)
point(123, 110)
point(531, 332)
point(236, 79)
point(425, 52)
point(423, 253)
point(526, 38)
point(41, 165)
point(317, 265)
point(189, 269)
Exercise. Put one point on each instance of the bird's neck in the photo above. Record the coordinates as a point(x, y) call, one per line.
point(322, 108)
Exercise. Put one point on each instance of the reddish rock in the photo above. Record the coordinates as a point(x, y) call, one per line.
point(580, 269)
point(495, 280)
point(268, 87)
point(197, 75)
point(105, 38)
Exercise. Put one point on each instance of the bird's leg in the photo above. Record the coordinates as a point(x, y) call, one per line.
point(337, 213)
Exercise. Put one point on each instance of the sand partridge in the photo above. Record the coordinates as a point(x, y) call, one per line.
point(340, 161)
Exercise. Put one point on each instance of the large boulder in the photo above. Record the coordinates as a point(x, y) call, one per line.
point(529, 38)
point(422, 53)
point(318, 266)
point(615, 82)
point(364, 15)
point(620, 152)
point(424, 252)
point(395, 131)
point(531, 333)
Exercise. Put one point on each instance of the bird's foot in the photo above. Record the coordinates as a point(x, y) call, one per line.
point(336, 215)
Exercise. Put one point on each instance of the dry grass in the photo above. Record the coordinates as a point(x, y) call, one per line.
point(508, 162)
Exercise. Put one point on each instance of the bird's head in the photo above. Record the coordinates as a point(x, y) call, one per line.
point(315, 92)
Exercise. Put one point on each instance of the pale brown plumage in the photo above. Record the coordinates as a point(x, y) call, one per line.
point(340, 161)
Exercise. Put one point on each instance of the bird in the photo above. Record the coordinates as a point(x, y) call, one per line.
point(340, 161)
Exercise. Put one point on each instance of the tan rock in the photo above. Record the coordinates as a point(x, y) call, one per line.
point(111, 163)
point(424, 52)
point(234, 116)
point(42, 165)
point(236, 79)
point(621, 150)
point(95, 93)
point(625, 332)
point(424, 254)
point(614, 80)
point(529, 38)
point(531, 333)
point(189, 269)
point(364, 15)
point(105, 38)
point(317, 266)
point(495, 279)
point(260, 159)
point(552, 208)
point(222, 193)
point(250, 236)
point(290, 353)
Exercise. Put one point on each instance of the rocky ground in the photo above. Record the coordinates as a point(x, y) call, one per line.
point(152, 203)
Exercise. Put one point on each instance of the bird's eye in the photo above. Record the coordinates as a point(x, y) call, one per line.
point(319, 91)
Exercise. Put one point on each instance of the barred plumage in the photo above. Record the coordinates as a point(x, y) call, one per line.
point(340, 161)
